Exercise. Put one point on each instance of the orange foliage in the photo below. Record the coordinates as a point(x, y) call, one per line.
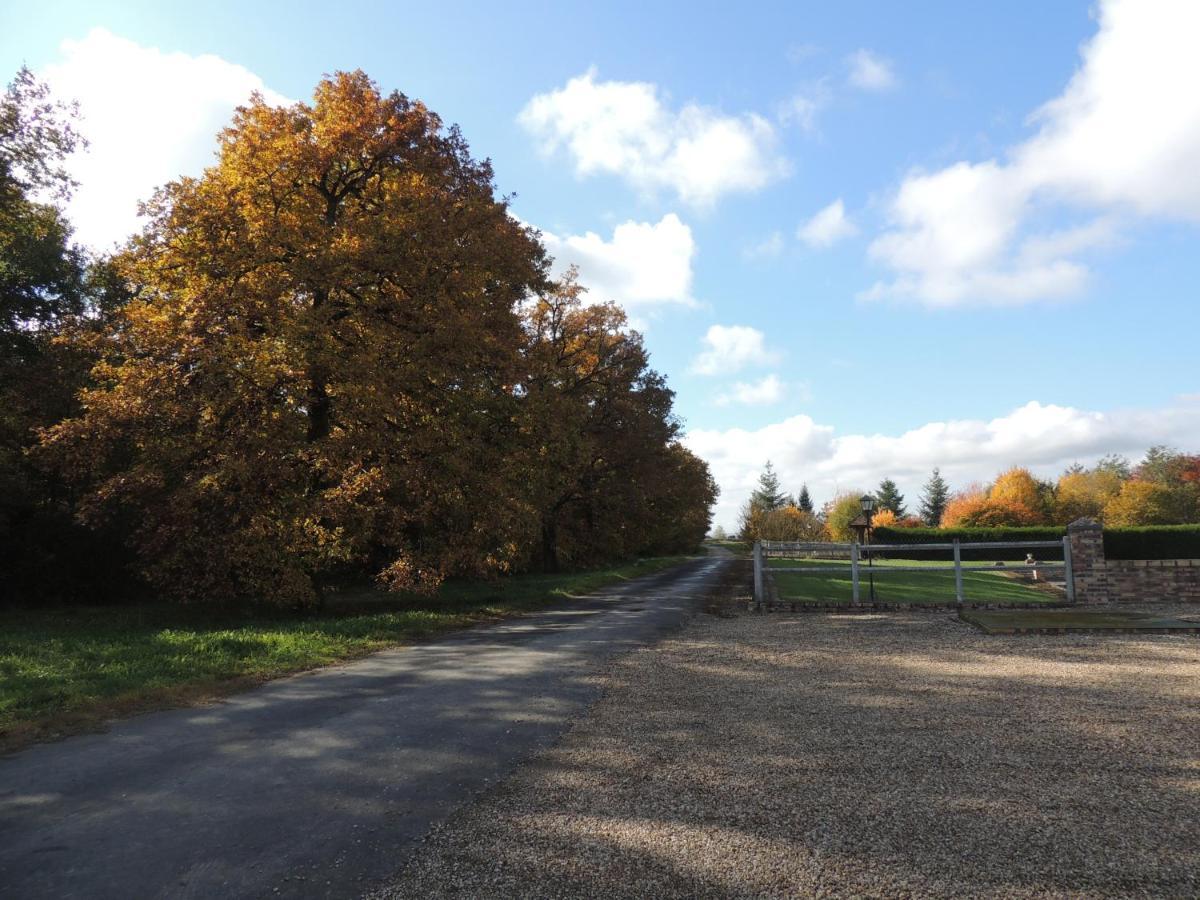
point(884, 518)
point(977, 509)
point(325, 370)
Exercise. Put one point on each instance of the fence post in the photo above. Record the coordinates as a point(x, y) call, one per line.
point(958, 588)
point(758, 573)
point(1067, 573)
point(854, 573)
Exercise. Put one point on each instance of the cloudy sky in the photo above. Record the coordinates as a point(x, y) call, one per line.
point(862, 239)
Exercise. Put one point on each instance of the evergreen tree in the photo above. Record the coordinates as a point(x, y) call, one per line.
point(804, 499)
point(889, 497)
point(768, 496)
point(934, 497)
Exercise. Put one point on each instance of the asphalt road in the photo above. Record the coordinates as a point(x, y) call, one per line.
point(316, 785)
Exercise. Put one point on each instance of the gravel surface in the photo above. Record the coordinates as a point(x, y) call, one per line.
point(888, 755)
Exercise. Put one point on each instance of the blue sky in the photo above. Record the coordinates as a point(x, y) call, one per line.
point(862, 239)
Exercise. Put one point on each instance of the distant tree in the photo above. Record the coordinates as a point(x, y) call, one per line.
point(1114, 464)
point(889, 497)
point(718, 533)
point(1083, 493)
point(790, 523)
point(840, 512)
point(1025, 497)
point(1179, 475)
point(977, 507)
point(1141, 503)
point(804, 500)
point(933, 499)
point(767, 496)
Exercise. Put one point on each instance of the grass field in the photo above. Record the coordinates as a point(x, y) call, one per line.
point(65, 669)
point(982, 583)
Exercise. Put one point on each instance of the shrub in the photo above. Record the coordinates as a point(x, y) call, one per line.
point(840, 512)
point(1153, 542)
point(790, 524)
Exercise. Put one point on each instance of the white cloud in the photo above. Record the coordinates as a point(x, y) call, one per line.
point(870, 72)
point(828, 226)
point(643, 265)
point(624, 128)
point(730, 348)
point(770, 246)
point(1120, 141)
point(754, 393)
point(149, 116)
point(1044, 437)
point(803, 107)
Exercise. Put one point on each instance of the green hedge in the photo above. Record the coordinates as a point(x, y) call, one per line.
point(1147, 542)
point(968, 536)
point(1152, 542)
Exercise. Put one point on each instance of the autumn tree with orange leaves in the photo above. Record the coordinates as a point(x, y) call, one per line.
point(605, 472)
point(326, 369)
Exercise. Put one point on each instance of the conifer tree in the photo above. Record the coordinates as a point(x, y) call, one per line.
point(889, 497)
point(934, 497)
point(768, 496)
point(804, 499)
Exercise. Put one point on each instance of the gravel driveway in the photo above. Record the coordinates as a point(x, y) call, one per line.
point(900, 754)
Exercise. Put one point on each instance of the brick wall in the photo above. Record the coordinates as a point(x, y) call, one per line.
point(1101, 580)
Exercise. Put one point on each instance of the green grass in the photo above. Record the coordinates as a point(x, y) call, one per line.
point(981, 584)
point(66, 668)
point(1051, 620)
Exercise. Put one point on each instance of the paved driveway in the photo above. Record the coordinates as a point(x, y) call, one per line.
point(320, 784)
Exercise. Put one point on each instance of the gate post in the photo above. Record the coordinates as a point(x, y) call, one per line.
point(958, 587)
point(854, 573)
point(1068, 574)
point(758, 573)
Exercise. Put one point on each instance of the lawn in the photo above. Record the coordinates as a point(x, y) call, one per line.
point(982, 583)
point(63, 669)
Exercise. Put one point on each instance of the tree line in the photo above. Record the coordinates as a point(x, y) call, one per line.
point(1162, 489)
point(335, 352)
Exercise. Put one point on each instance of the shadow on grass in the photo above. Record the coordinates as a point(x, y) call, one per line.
point(68, 668)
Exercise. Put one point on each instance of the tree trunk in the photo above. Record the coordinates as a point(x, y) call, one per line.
point(320, 408)
point(549, 546)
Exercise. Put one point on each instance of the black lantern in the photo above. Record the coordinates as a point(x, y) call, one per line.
point(868, 507)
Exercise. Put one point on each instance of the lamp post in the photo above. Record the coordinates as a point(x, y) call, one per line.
point(868, 507)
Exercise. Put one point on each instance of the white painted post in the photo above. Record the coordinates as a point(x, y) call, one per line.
point(1067, 573)
point(958, 588)
point(854, 573)
point(758, 573)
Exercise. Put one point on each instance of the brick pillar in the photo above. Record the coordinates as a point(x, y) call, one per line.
point(1087, 561)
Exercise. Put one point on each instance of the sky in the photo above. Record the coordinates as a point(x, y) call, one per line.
point(861, 239)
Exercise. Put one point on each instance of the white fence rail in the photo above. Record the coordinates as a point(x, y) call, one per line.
point(766, 550)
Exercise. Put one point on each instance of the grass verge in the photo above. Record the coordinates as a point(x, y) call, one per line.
point(915, 588)
point(67, 669)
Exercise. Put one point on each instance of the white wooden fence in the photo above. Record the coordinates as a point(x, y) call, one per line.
point(765, 550)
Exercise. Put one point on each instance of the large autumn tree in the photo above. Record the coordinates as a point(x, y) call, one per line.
point(316, 369)
point(602, 467)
